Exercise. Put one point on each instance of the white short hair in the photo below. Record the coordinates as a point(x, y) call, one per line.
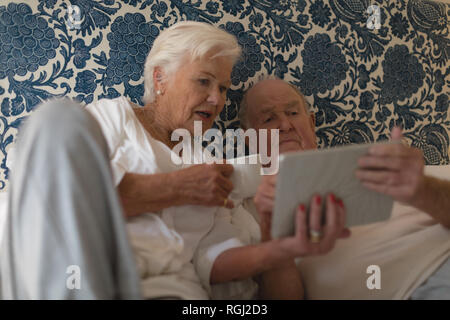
point(172, 45)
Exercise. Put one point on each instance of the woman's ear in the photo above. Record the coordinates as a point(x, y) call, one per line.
point(158, 77)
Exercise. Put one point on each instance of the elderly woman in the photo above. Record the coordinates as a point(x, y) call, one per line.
point(190, 234)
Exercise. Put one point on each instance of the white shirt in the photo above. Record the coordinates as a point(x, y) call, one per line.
point(175, 249)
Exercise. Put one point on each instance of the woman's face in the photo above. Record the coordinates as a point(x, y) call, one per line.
point(196, 92)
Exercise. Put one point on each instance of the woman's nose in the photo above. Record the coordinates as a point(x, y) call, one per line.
point(214, 96)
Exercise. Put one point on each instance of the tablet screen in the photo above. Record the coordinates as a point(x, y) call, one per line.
point(303, 174)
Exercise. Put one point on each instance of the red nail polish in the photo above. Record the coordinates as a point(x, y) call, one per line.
point(318, 200)
point(301, 207)
point(333, 198)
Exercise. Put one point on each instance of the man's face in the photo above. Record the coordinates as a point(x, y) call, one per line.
point(273, 104)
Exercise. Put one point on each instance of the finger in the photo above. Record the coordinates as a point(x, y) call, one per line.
point(229, 204)
point(341, 212)
point(265, 204)
point(332, 221)
point(265, 227)
point(225, 184)
point(225, 169)
point(315, 213)
point(396, 133)
point(345, 233)
point(268, 191)
point(376, 162)
point(213, 200)
point(381, 188)
point(272, 180)
point(221, 199)
point(266, 216)
point(266, 187)
point(216, 197)
point(301, 229)
point(391, 178)
point(383, 150)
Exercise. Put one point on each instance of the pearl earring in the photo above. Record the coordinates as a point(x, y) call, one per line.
point(158, 92)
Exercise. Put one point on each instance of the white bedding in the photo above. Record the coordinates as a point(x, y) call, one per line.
point(407, 249)
point(3, 207)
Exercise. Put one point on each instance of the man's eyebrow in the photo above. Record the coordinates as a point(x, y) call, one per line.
point(267, 109)
point(270, 108)
point(293, 103)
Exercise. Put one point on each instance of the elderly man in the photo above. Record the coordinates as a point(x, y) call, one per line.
point(410, 239)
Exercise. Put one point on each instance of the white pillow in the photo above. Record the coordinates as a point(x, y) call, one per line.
point(442, 172)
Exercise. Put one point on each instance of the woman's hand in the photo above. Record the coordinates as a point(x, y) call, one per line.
point(204, 184)
point(275, 254)
point(302, 243)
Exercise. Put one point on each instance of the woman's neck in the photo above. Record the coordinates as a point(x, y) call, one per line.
point(154, 125)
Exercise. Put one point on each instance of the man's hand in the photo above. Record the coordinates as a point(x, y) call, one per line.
point(204, 184)
point(264, 201)
point(395, 170)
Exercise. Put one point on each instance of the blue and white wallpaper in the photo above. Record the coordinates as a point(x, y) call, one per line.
point(360, 81)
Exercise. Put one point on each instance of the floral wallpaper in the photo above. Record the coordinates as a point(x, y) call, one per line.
point(360, 81)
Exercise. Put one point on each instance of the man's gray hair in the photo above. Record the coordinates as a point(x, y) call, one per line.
point(243, 118)
point(186, 37)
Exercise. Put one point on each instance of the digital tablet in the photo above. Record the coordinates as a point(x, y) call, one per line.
point(303, 174)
